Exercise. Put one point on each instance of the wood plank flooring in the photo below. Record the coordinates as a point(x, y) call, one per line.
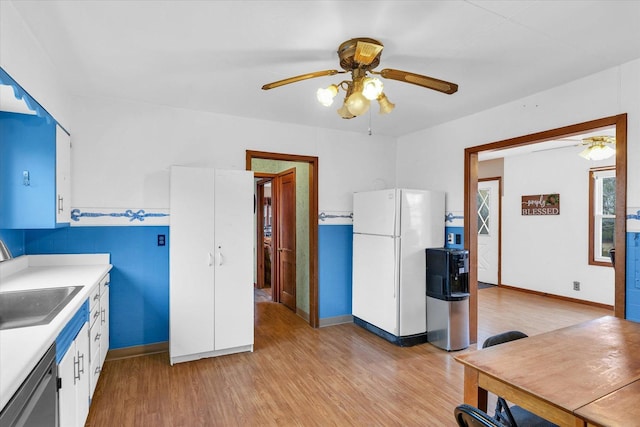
point(298, 376)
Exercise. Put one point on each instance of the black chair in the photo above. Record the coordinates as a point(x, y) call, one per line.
point(513, 416)
point(470, 416)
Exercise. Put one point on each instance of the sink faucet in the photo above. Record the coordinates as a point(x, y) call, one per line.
point(5, 253)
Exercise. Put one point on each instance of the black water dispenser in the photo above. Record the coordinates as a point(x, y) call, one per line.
point(447, 286)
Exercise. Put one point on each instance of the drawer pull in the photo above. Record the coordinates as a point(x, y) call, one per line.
point(96, 314)
point(97, 338)
point(96, 297)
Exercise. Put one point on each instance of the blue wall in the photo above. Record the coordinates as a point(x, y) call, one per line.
point(14, 239)
point(139, 293)
point(633, 277)
point(335, 249)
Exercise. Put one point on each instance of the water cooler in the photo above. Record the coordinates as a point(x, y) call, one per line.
point(448, 298)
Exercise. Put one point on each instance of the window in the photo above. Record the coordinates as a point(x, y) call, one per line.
point(484, 195)
point(602, 214)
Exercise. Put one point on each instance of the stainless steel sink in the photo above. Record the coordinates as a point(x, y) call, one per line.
point(33, 307)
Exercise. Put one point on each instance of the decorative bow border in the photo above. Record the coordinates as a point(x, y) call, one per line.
point(139, 215)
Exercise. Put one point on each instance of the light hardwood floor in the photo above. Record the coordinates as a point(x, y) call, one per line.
point(298, 376)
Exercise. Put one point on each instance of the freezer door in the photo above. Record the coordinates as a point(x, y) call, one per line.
point(374, 212)
point(375, 281)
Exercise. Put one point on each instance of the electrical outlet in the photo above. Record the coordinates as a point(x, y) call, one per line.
point(576, 285)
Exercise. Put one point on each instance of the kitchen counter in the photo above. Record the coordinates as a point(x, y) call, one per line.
point(22, 348)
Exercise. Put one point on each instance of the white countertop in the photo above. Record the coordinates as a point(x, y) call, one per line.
point(22, 348)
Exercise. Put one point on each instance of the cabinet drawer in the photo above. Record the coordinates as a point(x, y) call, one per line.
point(94, 305)
point(94, 340)
point(104, 283)
point(94, 374)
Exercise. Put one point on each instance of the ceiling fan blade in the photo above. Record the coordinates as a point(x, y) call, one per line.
point(300, 78)
point(420, 80)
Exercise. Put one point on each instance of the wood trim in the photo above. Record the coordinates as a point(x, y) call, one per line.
point(471, 237)
point(560, 297)
point(137, 350)
point(313, 220)
point(471, 182)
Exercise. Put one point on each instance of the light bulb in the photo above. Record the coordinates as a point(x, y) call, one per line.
point(325, 96)
point(357, 104)
point(371, 88)
point(344, 112)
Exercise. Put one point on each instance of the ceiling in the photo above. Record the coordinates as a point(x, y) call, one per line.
point(215, 55)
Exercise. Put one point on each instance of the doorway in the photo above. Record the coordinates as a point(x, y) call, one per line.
point(471, 205)
point(306, 261)
point(489, 230)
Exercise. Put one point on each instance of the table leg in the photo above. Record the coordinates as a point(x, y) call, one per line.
point(473, 394)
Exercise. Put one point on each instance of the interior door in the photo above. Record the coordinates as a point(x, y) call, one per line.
point(488, 230)
point(284, 187)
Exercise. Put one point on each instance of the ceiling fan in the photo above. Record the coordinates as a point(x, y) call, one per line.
point(359, 56)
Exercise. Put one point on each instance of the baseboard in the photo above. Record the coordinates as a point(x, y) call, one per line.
point(337, 320)
point(560, 297)
point(303, 314)
point(138, 350)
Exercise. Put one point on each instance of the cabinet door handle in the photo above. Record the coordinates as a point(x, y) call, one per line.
point(97, 338)
point(210, 262)
point(80, 370)
point(76, 369)
point(60, 203)
point(220, 260)
point(97, 371)
point(103, 318)
point(96, 297)
point(96, 314)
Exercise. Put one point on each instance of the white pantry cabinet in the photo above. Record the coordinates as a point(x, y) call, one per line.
point(211, 263)
point(73, 374)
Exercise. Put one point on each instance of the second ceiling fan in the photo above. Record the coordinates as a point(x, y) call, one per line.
point(359, 56)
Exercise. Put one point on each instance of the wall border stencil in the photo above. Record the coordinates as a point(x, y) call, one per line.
point(454, 219)
point(335, 218)
point(110, 217)
point(633, 220)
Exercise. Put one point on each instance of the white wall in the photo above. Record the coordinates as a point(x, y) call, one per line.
point(547, 253)
point(436, 155)
point(22, 57)
point(122, 152)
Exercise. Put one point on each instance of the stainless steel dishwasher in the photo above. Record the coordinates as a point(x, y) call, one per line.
point(35, 404)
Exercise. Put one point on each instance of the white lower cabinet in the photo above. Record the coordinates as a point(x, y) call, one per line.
point(99, 331)
point(211, 263)
point(73, 374)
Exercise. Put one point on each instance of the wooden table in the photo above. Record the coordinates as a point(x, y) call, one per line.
point(620, 408)
point(557, 373)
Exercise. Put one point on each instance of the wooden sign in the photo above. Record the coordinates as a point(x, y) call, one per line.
point(541, 204)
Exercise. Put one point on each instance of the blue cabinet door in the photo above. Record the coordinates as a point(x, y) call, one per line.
point(27, 171)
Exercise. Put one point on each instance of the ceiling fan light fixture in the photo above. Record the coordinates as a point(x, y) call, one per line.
point(357, 104)
point(325, 95)
point(344, 112)
point(386, 106)
point(598, 148)
point(371, 88)
point(597, 152)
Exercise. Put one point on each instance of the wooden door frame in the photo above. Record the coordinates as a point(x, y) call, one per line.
point(470, 203)
point(313, 220)
point(499, 179)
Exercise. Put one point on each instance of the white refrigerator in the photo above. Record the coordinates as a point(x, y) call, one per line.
point(391, 230)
